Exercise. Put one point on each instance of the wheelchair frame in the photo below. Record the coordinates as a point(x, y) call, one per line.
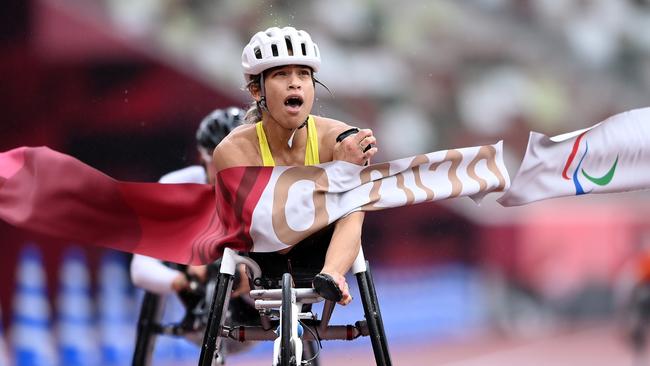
point(285, 313)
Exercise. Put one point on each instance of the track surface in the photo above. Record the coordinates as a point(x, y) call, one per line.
point(594, 346)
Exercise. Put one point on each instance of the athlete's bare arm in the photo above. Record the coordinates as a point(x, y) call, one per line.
point(346, 240)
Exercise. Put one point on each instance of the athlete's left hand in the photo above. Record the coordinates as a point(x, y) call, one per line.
point(356, 148)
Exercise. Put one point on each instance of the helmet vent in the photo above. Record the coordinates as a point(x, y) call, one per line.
point(274, 50)
point(303, 47)
point(287, 40)
point(258, 53)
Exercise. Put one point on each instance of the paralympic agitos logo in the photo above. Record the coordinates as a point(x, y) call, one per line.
point(601, 181)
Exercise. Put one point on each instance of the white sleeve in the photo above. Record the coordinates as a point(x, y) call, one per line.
point(150, 274)
point(190, 174)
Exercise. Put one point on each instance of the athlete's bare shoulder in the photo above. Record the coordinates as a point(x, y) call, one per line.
point(237, 149)
point(329, 128)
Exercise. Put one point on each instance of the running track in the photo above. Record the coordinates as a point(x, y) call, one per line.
point(594, 346)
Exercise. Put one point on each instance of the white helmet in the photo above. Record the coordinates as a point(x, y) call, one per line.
point(269, 49)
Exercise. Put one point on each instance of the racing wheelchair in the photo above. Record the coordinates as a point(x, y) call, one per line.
point(283, 296)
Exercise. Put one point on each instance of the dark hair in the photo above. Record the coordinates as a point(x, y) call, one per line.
point(254, 111)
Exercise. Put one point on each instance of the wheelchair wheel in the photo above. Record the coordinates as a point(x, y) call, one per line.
point(310, 351)
point(287, 357)
point(373, 317)
point(216, 319)
point(150, 315)
point(380, 321)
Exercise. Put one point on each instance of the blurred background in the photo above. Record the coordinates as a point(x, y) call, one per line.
point(121, 85)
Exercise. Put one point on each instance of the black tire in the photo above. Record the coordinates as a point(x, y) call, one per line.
point(373, 317)
point(287, 357)
point(216, 319)
point(380, 320)
point(150, 315)
point(310, 350)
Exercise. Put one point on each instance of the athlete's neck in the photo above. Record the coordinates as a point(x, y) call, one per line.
point(279, 137)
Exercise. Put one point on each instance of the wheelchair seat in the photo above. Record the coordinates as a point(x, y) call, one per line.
point(303, 261)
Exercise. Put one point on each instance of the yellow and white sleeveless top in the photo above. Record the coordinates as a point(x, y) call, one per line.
point(311, 152)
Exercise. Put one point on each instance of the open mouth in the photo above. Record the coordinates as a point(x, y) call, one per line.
point(293, 102)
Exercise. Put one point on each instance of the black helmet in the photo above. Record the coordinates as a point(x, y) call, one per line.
point(216, 125)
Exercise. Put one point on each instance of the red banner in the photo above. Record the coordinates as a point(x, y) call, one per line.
point(54, 194)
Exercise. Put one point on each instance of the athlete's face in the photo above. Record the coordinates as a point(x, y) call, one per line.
point(289, 94)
